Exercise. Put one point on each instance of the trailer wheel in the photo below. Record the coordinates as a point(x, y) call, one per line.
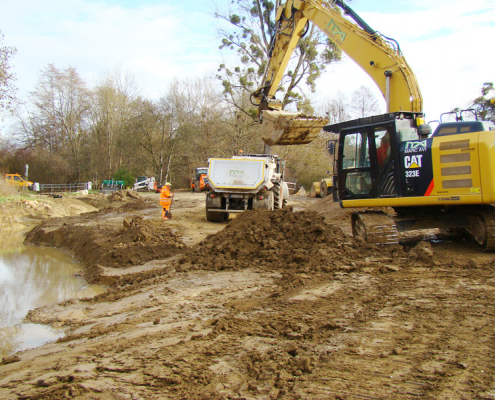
point(271, 202)
point(278, 196)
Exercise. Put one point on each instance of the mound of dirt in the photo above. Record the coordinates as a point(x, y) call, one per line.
point(23, 213)
point(121, 201)
point(284, 240)
point(93, 242)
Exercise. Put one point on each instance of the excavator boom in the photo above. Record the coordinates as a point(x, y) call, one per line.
point(377, 55)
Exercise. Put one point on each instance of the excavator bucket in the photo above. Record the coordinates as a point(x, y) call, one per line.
point(286, 128)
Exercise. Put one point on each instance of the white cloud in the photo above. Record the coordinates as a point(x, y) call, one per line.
point(155, 43)
point(444, 42)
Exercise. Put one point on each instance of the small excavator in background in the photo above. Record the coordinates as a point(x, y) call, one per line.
point(441, 180)
point(199, 180)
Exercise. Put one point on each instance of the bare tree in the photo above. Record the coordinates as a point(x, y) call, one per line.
point(179, 131)
point(8, 91)
point(58, 120)
point(337, 108)
point(364, 103)
point(238, 131)
point(112, 111)
point(154, 130)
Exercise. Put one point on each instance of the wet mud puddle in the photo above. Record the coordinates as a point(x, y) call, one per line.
point(31, 277)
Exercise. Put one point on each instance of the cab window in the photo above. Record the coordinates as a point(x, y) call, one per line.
point(356, 151)
point(356, 157)
point(382, 144)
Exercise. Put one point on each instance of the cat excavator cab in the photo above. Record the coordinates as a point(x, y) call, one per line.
point(442, 180)
point(391, 161)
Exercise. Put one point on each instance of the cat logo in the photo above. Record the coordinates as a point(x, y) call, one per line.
point(413, 161)
point(337, 35)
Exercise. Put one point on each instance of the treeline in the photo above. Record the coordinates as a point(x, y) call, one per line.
point(70, 133)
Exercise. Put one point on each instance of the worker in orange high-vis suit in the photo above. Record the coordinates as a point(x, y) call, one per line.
point(166, 201)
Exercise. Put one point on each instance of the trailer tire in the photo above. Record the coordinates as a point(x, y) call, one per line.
point(278, 196)
point(271, 202)
point(285, 194)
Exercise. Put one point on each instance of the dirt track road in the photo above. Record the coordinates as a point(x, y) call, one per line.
point(281, 305)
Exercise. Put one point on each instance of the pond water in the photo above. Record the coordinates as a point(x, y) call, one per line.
point(30, 277)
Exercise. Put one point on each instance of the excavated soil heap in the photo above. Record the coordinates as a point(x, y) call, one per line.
point(290, 243)
point(121, 201)
point(136, 242)
point(299, 242)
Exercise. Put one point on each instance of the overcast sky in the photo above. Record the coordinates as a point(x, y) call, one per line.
point(447, 43)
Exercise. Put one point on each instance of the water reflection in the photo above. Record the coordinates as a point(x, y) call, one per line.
point(31, 277)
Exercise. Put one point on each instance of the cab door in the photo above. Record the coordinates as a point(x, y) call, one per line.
point(367, 162)
point(354, 166)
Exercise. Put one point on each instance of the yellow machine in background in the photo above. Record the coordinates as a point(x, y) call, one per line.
point(326, 187)
point(322, 188)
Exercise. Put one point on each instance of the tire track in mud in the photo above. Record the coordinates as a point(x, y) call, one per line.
point(279, 306)
point(416, 345)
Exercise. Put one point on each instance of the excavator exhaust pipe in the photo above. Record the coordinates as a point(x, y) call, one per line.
point(286, 128)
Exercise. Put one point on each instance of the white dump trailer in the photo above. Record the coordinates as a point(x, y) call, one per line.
point(245, 182)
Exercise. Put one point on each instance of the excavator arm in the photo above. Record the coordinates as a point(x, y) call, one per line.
point(378, 56)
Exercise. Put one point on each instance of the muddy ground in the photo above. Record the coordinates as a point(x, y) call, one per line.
point(281, 305)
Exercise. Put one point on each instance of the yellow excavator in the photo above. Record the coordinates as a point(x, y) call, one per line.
point(444, 179)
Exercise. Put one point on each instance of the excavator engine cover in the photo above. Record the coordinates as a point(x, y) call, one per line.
point(286, 128)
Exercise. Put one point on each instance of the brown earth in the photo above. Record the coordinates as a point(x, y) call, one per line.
point(281, 305)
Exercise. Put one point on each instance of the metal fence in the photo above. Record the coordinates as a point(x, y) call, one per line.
point(50, 188)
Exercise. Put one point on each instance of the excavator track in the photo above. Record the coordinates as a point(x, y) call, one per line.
point(374, 227)
point(488, 242)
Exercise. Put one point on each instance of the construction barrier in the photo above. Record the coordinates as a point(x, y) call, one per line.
point(50, 188)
